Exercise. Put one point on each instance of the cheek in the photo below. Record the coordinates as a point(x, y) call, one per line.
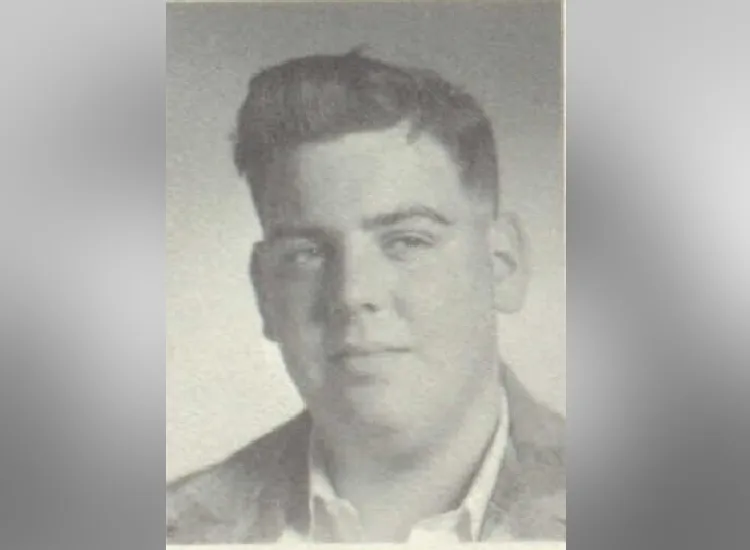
point(460, 277)
point(450, 303)
point(300, 338)
point(294, 301)
point(447, 299)
point(294, 307)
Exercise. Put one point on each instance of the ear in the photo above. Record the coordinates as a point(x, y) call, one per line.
point(262, 284)
point(510, 261)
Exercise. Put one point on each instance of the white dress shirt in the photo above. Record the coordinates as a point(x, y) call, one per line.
point(334, 519)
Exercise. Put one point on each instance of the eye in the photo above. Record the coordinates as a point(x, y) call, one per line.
point(302, 256)
point(404, 246)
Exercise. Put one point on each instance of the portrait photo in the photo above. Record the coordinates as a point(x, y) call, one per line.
point(365, 289)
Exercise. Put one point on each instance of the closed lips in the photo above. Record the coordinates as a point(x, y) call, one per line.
point(367, 351)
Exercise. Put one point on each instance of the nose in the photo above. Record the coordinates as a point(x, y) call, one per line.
point(361, 283)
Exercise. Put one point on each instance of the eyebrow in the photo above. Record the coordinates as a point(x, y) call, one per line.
point(283, 232)
point(389, 219)
point(404, 214)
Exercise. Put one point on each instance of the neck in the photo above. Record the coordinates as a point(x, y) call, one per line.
point(393, 492)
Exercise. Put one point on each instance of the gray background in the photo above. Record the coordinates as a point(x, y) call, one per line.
point(658, 304)
point(225, 385)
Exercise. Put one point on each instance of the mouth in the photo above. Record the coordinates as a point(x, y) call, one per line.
point(367, 351)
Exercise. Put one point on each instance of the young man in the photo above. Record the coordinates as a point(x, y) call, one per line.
point(385, 259)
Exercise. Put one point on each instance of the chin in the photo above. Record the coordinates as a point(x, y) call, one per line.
point(372, 414)
point(387, 430)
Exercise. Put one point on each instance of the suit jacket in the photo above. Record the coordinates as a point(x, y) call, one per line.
point(256, 493)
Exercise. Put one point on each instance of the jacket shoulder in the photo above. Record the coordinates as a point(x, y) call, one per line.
point(529, 502)
point(530, 497)
point(221, 503)
point(540, 510)
point(538, 434)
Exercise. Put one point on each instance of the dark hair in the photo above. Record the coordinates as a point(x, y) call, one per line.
point(322, 97)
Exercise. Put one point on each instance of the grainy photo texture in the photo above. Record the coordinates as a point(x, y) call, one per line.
point(389, 236)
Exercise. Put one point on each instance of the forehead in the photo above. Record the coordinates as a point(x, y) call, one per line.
point(361, 175)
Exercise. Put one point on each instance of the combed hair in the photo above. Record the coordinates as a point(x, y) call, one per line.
point(323, 97)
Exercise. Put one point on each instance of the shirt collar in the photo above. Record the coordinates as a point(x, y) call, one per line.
point(473, 507)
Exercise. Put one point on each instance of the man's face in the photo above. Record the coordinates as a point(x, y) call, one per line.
point(376, 279)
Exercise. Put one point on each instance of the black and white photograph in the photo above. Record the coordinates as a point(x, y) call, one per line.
point(365, 285)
